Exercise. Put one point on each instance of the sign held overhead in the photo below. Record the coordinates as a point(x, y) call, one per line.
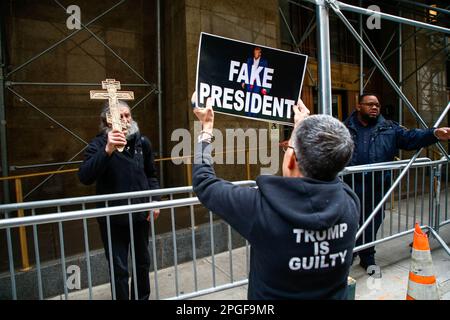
point(249, 80)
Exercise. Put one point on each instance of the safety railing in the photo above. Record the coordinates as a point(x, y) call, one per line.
point(417, 198)
point(58, 216)
point(18, 181)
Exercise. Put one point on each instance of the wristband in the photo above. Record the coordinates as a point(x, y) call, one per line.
point(434, 134)
point(206, 136)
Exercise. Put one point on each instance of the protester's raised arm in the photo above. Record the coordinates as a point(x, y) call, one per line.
point(219, 196)
point(300, 112)
point(205, 115)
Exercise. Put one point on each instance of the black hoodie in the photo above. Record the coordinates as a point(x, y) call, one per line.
point(302, 231)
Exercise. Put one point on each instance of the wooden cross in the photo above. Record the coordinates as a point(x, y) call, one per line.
point(113, 96)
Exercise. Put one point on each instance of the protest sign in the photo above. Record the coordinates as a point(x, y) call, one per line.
point(249, 80)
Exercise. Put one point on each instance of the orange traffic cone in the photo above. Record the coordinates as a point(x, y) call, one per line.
point(422, 281)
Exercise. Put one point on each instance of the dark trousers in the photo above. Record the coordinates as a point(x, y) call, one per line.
point(370, 233)
point(120, 239)
point(370, 192)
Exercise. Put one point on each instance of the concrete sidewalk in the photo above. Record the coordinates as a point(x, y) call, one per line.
point(393, 257)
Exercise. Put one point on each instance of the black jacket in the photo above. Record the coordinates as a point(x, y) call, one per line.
point(130, 170)
point(387, 137)
point(302, 231)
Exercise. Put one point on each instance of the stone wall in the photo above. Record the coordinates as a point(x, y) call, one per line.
point(33, 138)
point(247, 21)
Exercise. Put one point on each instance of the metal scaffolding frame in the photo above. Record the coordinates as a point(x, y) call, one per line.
point(323, 58)
point(322, 7)
point(6, 84)
point(336, 6)
point(378, 59)
point(3, 147)
point(324, 73)
point(319, 22)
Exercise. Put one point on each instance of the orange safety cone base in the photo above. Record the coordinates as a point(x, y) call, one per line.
point(422, 281)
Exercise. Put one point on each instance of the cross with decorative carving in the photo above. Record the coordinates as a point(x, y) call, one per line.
point(113, 96)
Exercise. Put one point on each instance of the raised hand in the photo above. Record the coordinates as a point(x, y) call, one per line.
point(300, 112)
point(205, 115)
point(116, 138)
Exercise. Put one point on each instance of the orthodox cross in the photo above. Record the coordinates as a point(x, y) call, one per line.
point(113, 96)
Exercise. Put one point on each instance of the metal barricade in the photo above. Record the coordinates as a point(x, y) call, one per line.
point(416, 197)
point(58, 216)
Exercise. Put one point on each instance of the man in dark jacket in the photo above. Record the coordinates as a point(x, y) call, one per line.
point(301, 226)
point(114, 172)
point(379, 140)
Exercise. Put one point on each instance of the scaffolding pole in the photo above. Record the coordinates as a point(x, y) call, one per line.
point(348, 7)
point(3, 141)
point(70, 84)
point(160, 122)
point(372, 71)
point(400, 77)
point(323, 58)
point(105, 45)
point(361, 55)
point(295, 44)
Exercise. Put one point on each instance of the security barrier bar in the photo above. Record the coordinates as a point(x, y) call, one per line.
point(417, 199)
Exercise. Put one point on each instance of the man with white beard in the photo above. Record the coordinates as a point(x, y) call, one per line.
point(133, 169)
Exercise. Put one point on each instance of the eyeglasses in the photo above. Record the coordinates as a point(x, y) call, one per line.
point(284, 145)
point(369, 104)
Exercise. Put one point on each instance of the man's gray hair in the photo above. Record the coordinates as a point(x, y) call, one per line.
point(323, 146)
